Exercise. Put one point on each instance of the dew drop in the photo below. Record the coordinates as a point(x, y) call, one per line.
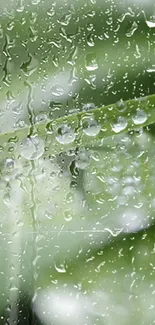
point(90, 126)
point(120, 125)
point(140, 117)
point(32, 148)
point(65, 134)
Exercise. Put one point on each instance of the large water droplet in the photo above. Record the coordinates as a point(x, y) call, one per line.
point(120, 125)
point(91, 62)
point(140, 117)
point(90, 126)
point(60, 269)
point(32, 148)
point(150, 24)
point(65, 134)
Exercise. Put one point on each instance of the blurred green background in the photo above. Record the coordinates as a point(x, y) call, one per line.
point(77, 236)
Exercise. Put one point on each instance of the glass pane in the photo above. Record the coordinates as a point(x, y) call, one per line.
point(77, 154)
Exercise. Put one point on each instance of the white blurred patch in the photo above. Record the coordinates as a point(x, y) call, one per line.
point(61, 306)
point(14, 113)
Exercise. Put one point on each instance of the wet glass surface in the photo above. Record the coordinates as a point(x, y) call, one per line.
point(77, 151)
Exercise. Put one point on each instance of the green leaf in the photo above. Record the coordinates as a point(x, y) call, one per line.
point(83, 129)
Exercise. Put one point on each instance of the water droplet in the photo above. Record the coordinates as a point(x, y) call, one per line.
point(140, 117)
point(114, 232)
point(30, 66)
point(151, 69)
point(32, 148)
point(65, 19)
point(121, 107)
point(9, 163)
point(90, 126)
point(57, 90)
point(88, 106)
point(65, 134)
point(60, 269)
point(150, 24)
point(120, 125)
point(6, 199)
point(91, 62)
point(82, 160)
point(132, 29)
point(90, 40)
point(68, 215)
point(35, 2)
point(33, 34)
point(41, 118)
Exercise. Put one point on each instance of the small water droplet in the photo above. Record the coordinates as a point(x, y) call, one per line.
point(14, 288)
point(32, 148)
point(88, 106)
point(90, 126)
point(114, 232)
point(151, 69)
point(35, 2)
point(6, 199)
point(30, 66)
point(60, 269)
point(132, 29)
point(91, 62)
point(120, 125)
point(68, 215)
point(121, 107)
point(140, 117)
point(41, 118)
point(90, 40)
point(65, 19)
point(57, 90)
point(82, 160)
point(65, 134)
point(9, 163)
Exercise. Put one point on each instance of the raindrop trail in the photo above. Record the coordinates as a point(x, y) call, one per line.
point(14, 261)
point(73, 231)
point(32, 195)
point(35, 227)
point(30, 109)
